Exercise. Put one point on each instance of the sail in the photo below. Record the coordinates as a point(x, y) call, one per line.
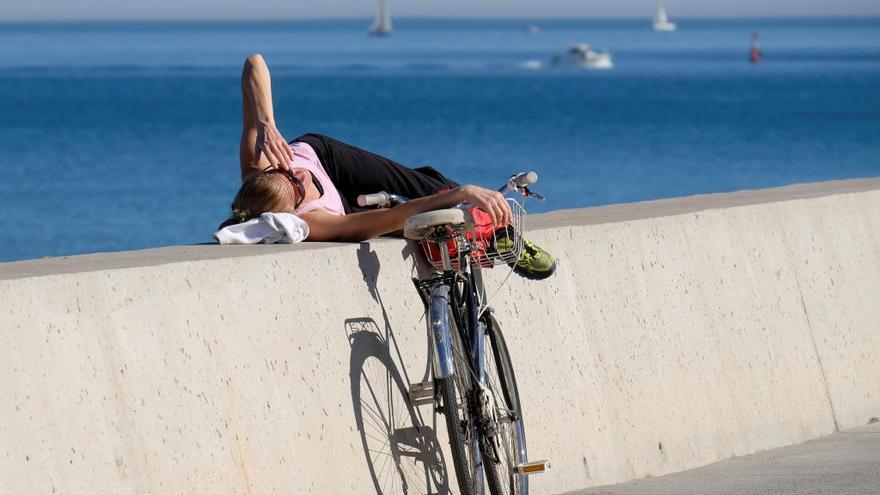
point(382, 23)
point(660, 17)
point(661, 21)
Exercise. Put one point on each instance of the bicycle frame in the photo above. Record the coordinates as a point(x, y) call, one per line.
point(439, 293)
point(455, 293)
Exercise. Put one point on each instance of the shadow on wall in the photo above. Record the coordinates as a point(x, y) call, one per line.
point(401, 451)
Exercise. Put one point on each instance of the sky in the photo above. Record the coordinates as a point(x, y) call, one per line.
point(12, 10)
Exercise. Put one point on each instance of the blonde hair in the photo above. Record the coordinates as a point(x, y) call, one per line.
point(257, 195)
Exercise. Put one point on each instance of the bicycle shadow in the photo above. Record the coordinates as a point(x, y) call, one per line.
point(401, 450)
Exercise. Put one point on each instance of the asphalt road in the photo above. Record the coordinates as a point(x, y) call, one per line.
point(846, 463)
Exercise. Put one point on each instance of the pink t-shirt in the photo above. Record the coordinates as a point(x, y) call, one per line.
point(305, 157)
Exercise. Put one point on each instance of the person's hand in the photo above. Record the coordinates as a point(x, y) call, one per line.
point(492, 202)
point(272, 144)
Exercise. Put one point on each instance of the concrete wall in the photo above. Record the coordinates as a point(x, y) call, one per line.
point(675, 333)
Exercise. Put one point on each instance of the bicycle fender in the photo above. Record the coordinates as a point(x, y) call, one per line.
point(443, 365)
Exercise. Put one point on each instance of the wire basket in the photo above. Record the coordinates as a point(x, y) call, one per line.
point(488, 245)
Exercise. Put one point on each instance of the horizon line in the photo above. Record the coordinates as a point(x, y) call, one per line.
point(366, 18)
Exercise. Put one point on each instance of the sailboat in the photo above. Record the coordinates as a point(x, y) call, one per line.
point(661, 22)
point(382, 24)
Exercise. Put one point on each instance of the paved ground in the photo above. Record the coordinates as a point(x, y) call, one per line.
point(846, 463)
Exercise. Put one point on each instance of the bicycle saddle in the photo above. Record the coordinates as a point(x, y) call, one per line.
point(457, 220)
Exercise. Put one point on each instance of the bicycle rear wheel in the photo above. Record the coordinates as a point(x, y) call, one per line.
point(503, 440)
point(455, 392)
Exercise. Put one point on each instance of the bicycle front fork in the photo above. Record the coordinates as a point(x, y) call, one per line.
point(444, 365)
point(439, 309)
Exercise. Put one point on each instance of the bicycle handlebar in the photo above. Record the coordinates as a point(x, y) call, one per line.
point(517, 182)
point(374, 199)
point(525, 178)
point(520, 182)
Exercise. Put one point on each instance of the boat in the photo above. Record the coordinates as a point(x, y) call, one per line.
point(580, 55)
point(382, 24)
point(532, 28)
point(661, 22)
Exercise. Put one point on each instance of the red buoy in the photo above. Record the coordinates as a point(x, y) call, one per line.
point(755, 52)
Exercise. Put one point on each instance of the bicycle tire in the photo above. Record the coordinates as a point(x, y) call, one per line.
point(504, 447)
point(455, 392)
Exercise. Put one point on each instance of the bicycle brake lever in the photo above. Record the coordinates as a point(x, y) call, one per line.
point(529, 194)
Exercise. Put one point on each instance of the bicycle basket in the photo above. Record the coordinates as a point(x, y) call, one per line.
point(489, 245)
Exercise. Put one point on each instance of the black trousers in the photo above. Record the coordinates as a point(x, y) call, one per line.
point(355, 171)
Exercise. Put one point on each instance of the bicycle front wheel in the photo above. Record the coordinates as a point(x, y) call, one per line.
point(455, 392)
point(503, 437)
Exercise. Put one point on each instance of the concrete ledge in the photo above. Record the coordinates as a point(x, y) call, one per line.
point(559, 218)
point(676, 333)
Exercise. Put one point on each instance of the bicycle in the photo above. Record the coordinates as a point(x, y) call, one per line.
point(473, 383)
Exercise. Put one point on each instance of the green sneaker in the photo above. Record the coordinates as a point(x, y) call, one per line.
point(534, 263)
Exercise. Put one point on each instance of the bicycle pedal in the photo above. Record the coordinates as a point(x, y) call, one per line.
point(534, 467)
point(421, 393)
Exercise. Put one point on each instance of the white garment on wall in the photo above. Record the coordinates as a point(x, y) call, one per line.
point(268, 228)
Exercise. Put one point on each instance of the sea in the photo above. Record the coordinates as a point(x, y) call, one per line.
point(124, 135)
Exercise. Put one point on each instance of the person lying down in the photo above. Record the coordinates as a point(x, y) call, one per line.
point(319, 178)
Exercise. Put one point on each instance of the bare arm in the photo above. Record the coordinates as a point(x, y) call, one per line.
point(365, 225)
point(262, 144)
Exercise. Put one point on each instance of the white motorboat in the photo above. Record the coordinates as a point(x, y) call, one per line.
point(580, 55)
point(382, 23)
point(661, 21)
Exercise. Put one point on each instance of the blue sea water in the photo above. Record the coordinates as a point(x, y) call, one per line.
point(124, 135)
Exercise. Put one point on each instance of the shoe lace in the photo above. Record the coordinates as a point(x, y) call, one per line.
point(530, 249)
